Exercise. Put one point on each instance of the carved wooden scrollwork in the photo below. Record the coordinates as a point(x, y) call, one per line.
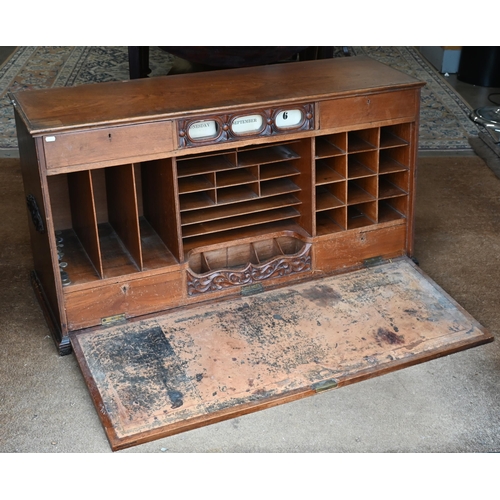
point(252, 273)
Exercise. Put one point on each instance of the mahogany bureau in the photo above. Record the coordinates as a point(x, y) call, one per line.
point(185, 193)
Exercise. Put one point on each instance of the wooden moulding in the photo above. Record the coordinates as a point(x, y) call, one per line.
point(191, 367)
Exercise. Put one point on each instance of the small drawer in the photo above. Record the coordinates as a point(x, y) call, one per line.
point(108, 144)
point(351, 248)
point(86, 308)
point(367, 109)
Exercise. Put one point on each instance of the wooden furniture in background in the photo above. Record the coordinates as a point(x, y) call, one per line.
point(210, 58)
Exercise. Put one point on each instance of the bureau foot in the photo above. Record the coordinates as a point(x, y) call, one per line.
point(64, 346)
point(62, 343)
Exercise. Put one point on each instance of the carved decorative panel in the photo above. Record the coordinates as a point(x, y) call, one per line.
point(215, 129)
point(252, 273)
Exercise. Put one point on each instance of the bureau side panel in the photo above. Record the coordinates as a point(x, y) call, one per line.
point(40, 227)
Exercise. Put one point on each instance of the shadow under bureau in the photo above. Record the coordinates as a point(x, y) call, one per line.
point(206, 242)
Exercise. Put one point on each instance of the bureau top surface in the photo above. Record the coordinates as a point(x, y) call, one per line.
point(169, 97)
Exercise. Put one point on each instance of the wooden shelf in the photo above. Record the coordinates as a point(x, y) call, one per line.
point(326, 200)
point(388, 165)
point(197, 201)
point(265, 155)
point(277, 186)
point(387, 213)
point(278, 171)
point(240, 221)
point(326, 175)
point(356, 194)
point(155, 253)
point(358, 215)
point(329, 223)
point(242, 208)
point(389, 190)
point(362, 140)
point(235, 177)
point(195, 183)
point(330, 146)
point(357, 169)
point(390, 140)
point(116, 260)
point(203, 165)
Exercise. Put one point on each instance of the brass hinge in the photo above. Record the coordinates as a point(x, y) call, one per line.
point(252, 289)
point(325, 385)
point(373, 261)
point(113, 320)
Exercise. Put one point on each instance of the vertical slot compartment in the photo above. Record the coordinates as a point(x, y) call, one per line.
point(75, 223)
point(331, 196)
point(395, 135)
point(333, 169)
point(83, 215)
point(362, 164)
point(393, 185)
point(331, 221)
point(363, 140)
point(160, 223)
point(123, 213)
point(361, 215)
point(392, 209)
point(394, 159)
point(331, 145)
point(361, 190)
point(116, 253)
point(268, 249)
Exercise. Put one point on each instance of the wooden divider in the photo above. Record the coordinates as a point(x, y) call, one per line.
point(122, 209)
point(160, 202)
point(84, 217)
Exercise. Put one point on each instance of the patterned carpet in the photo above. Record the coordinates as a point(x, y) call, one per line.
point(445, 125)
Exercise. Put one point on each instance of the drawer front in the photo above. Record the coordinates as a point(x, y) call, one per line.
point(352, 248)
point(108, 144)
point(368, 109)
point(88, 307)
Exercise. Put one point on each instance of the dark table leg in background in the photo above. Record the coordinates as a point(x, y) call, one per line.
point(138, 61)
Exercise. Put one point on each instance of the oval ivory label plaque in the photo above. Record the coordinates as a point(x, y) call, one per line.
point(203, 129)
point(289, 118)
point(247, 124)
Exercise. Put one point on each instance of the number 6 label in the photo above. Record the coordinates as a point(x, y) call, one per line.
point(289, 118)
